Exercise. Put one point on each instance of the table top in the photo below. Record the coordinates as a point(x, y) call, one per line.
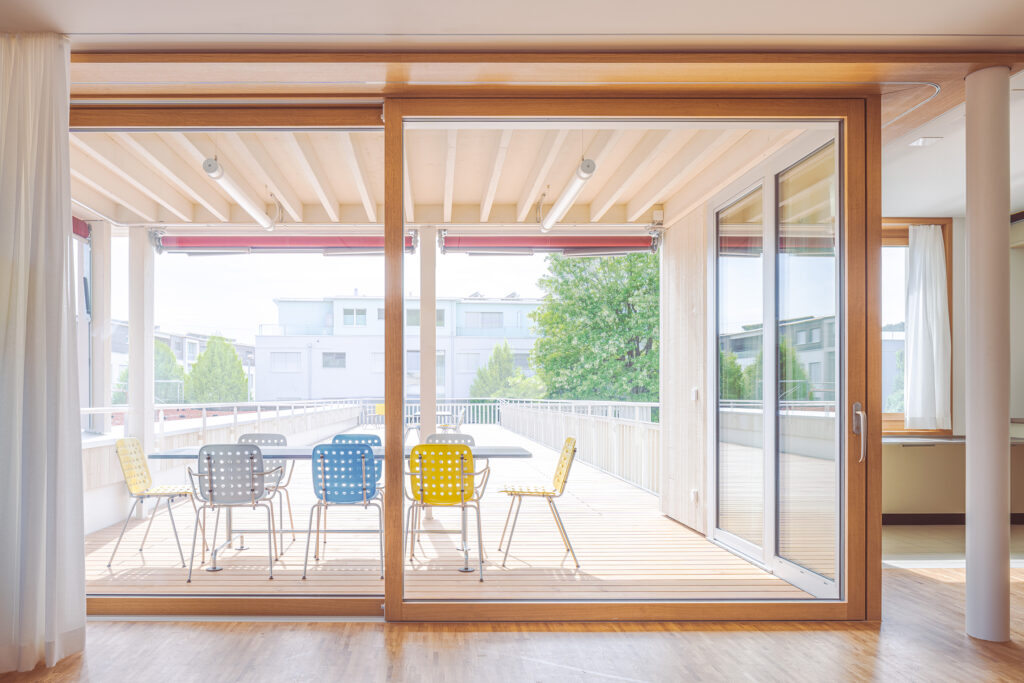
point(306, 452)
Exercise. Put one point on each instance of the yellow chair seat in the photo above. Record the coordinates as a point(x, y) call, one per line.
point(175, 490)
point(528, 491)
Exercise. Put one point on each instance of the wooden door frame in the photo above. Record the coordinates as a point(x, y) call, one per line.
point(860, 123)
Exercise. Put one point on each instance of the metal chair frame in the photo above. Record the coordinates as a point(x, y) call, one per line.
point(417, 505)
point(460, 418)
point(260, 496)
point(140, 488)
point(371, 497)
point(517, 495)
point(281, 487)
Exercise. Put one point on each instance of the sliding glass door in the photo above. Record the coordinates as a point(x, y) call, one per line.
point(777, 476)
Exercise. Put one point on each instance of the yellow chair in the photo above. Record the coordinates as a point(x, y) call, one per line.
point(442, 475)
point(557, 489)
point(140, 487)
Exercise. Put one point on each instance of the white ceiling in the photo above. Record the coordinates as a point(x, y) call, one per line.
point(592, 24)
point(931, 181)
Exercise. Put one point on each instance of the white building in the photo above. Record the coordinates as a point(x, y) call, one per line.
point(334, 347)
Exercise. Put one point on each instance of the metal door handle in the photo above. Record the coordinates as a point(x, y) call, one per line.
point(860, 427)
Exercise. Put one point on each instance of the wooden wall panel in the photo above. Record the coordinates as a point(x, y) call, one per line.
point(683, 366)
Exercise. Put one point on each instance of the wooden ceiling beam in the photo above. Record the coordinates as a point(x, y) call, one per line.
point(112, 186)
point(133, 171)
point(636, 163)
point(500, 153)
point(694, 158)
point(449, 174)
point(314, 172)
point(350, 155)
point(250, 151)
point(189, 180)
point(549, 149)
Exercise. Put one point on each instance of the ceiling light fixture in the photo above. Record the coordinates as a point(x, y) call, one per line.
point(251, 206)
point(925, 141)
point(561, 207)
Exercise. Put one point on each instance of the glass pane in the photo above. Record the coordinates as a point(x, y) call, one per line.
point(740, 376)
point(807, 369)
point(894, 326)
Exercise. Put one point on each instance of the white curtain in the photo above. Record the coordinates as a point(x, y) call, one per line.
point(927, 356)
point(42, 559)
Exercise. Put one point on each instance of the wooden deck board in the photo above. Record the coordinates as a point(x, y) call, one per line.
point(626, 547)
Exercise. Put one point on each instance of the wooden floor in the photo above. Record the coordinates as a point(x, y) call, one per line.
point(626, 547)
point(920, 639)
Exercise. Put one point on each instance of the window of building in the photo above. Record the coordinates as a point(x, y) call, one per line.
point(333, 359)
point(522, 361)
point(816, 335)
point(193, 350)
point(440, 369)
point(285, 361)
point(801, 337)
point(354, 316)
point(376, 362)
point(467, 362)
point(485, 319)
point(412, 317)
point(895, 251)
point(440, 317)
point(380, 314)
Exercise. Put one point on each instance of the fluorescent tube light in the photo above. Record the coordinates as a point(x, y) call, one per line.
point(561, 207)
point(251, 206)
point(925, 141)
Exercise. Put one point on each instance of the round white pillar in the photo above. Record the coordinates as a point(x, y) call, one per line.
point(988, 354)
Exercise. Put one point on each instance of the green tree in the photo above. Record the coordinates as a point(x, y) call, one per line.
point(217, 375)
point(730, 376)
point(169, 376)
point(894, 401)
point(795, 385)
point(598, 328)
point(500, 378)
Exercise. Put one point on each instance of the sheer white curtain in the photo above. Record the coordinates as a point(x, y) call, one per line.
point(927, 358)
point(42, 562)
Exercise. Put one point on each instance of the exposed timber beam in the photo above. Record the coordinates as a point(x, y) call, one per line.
point(639, 160)
point(549, 149)
point(487, 201)
point(449, 174)
point(359, 175)
point(314, 172)
point(112, 186)
point(251, 151)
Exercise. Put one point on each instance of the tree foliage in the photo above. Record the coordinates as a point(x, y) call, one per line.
point(730, 377)
point(169, 376)
point(795, 385)
point(894, 401)
point(598, 328)
point(500, 378)
point(217, 375)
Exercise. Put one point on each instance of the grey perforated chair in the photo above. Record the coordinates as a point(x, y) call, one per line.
point(280, 486)
point(451, 437)
point(231, 476)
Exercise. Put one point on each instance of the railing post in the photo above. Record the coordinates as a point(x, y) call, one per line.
point(202, 433)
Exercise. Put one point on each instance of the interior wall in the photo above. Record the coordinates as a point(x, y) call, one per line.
point(683, 363)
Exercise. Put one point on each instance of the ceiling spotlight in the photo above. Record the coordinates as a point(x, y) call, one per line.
point(251, 206)
point(561, 207)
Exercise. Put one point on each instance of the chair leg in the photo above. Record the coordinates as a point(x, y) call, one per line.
point(316, 546)
point(213, 542)
point(480, 543)
point(150, 525)
point(202, 525)
point(131, 512)
point(324, 549)
point(280, 518)
point(309, 532)
point(561, 529)
point(175, 529)
point(192, 556)
point(291, 519)
point(519, 504)
point(270, 536)
point(511, 504)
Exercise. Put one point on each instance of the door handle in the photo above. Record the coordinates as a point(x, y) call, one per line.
point(859, 425)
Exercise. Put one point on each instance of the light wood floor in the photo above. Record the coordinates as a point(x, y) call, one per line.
point(920, 639)
point(626, 547)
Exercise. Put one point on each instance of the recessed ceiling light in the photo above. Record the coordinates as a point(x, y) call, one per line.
point(925, 141)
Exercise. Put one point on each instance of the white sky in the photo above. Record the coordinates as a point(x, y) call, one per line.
point(807, 286)
point(233, 294)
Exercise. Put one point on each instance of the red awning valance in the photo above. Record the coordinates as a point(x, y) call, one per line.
point(243, 244)
point(571, 245)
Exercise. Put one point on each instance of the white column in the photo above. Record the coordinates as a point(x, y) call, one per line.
point(140, 337)
point(428, 332)
point(988, 354)
point(100, 371)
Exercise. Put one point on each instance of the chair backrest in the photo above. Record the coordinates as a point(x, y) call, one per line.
point(263, 439)
point(133, 465)
point(230, 474)
point(344, 473)
point(564, 464)
point(465, 439)
point(350, 438)
point(441, 474)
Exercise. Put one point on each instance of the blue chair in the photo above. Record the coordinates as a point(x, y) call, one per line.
point(344, 474)
point(369, 440)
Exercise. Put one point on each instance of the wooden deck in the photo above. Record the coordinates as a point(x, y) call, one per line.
point(627, 549)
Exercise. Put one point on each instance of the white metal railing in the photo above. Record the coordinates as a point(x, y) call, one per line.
point(620, 438)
